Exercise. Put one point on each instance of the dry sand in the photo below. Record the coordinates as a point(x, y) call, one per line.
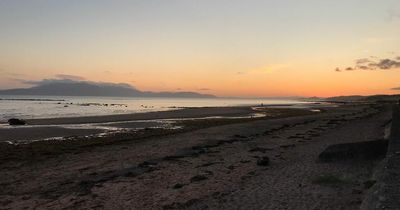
point(210, 168)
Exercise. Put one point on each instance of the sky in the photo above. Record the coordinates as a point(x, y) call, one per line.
point(249, 48)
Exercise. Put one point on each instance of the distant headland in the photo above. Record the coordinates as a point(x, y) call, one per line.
point(86, 88)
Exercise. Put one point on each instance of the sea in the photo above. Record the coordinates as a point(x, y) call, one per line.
point(33, 107)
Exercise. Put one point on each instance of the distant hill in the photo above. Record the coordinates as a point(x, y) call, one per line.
point(383, 98)
point(83, 88)
point(372, 98)
point(346, 98)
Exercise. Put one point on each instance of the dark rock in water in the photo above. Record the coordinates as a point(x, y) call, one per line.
point(358, 150)
point(263, 161)
point(198, 178)
point(14, 121)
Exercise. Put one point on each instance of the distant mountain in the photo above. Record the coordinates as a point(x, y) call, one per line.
point(84, 88)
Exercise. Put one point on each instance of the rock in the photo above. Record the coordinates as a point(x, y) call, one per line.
point(366, 150)
point(216, 194)
point(147, 164)
point(263, 161)
point(178, 205)
point(369, 183)
point(231, 167)
point(207, 164)
point(198, 178)
point(14, 121)
point(259, 149)
point(287, 146)
point(178, 186)
point(356, 191)
point(239, 136)
point(209, 172)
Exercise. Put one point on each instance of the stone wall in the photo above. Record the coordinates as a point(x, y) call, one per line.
point(385, 194)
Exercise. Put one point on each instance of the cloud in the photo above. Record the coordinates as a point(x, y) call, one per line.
point(396, 88)
point(338, 69)
point(69, 77)
point(204, 89)
point(363, 67)
point(386, 64)
point(59, 78)
point(45, 81)
point(374, 63)
point(362, 61)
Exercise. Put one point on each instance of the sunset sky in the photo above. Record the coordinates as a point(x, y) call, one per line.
point(249, 48)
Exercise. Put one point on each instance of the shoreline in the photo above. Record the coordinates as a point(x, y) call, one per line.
point(46, 129)
point(96, 106)
point(152, 115)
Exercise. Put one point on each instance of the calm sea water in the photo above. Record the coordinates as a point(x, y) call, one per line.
point(30, 107)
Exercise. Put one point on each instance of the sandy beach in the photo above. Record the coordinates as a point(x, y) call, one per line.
point(240, 163)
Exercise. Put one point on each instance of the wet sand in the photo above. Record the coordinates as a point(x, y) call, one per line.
point(38, 129)
point(180, 113)
point(213, 166)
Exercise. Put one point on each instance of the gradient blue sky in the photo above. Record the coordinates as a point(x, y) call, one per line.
point(223, 47)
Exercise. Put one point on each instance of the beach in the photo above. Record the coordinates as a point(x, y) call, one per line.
point(200, 105)
point(233, 161)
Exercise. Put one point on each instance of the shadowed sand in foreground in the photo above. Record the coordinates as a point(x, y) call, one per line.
point(252, 163)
